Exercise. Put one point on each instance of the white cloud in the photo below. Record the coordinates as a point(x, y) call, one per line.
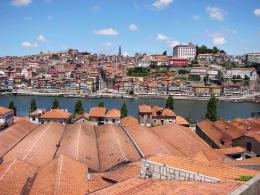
point(125, 54)
point(161, 37)
point(218, 39)
point(216, 13)
point(41, 38)
point(133, 27)
point(196, 17)
point(21, 2)
point(50, 17)
point(107, 31)
point(108, 44)
point(173, 43)
point(257, 12)
point(161, 4)
point(29, 44)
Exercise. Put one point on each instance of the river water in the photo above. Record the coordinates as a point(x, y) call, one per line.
point(192, 109)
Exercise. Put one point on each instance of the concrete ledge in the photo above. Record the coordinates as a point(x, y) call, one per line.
point(252, 187)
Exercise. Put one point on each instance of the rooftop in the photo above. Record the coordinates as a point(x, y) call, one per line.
point(56, 114)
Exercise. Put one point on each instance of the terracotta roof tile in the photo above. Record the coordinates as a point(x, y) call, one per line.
point(56, 114)
point(39, 146)
point(181, 120)
point(154, 187)
point(61, 176)
point(13, 135)
point(14, 175)
point(212, 169)
point(144, 109)
point(114, 147)
point(113, 113)
point(232, 150)
point(181, 138)
point(4, 110)
point(97, 112)
point(79, 143)
point(249, 161)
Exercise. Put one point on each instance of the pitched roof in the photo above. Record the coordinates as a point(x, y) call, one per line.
point(181, 138)
point(212, 169)
point(148, 141)
point(56, 114)
point(232, 150)
point(61, 176)
point(144, 109)
point(249, 161)
point(214, 133)
point(4, 110)
point(12, 135)
point(97, 112)
point(129, 120)
point(79, 143)
point(181, 120)
point(39, 146)
point(14, 176)
point(154, 187)
point(114, 147)
point(124, 172)
point(113, 113)
point(168, 112)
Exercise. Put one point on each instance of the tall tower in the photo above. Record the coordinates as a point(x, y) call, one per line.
point(120, 51)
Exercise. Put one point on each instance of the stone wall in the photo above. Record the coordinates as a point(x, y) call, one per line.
point(154, 170)
point(252, 187)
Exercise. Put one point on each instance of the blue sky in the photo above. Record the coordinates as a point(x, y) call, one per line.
point(151, 26)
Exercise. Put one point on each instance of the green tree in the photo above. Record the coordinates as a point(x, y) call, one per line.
point(170, 103)
point(55, 104)
point(164, 53)
point(33, 106)
point(12, 107)
point(212, 109)
point(78, 108)
point(101, 104)
point(124, 110)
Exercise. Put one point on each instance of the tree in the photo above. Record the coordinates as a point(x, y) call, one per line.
point(33, 106)
point(212, 109)
point(101, 104)
point(170, 103)
point(12, 107)
point(55, 104)
point(78, 107)
point(164, 53)
point(124, 110)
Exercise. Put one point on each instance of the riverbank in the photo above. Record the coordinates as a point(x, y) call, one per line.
point(236, 99)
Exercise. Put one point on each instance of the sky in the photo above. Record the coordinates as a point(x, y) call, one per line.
point(150, 26)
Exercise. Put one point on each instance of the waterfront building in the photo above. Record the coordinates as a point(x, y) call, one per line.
point(161, 116)
point(185, 51)
point(34, 117)
point(145, 115)
point(6, 117)
point(56, 115)
point(243, 72)
point(113, 117)
point(97, 115)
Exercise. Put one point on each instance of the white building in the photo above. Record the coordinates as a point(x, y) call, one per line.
point(250, 72)
point(6, 117)
point(253, 58)
point(185, 51)
point(34, 117)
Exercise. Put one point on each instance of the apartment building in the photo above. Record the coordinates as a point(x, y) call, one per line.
point(185, 51)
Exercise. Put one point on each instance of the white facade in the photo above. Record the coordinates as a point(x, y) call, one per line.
point(250, 72)
point(7, 118)
point(253, 58)
point(113, 121)
point(185, 51)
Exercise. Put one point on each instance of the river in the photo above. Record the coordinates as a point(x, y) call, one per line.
point(192, 109)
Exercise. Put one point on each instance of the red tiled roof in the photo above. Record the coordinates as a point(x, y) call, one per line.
point(4, 110)
point(144, 109)
point(61, 176)
point(232, 150)
point(181, 120)
point(97, 112)
point(56, 114)
point(113, 113)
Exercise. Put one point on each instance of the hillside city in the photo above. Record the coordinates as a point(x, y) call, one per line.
point(133, 97)
point(189, 72)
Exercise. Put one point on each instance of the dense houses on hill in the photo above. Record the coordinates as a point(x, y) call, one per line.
point(83, 158)
point(81, 73)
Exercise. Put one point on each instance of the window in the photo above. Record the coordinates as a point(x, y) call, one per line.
point(33, 118)
point(113, 121)
point(248, 146)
